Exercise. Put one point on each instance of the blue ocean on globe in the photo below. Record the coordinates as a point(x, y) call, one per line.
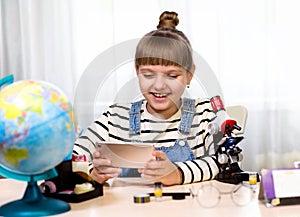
point(37, 127)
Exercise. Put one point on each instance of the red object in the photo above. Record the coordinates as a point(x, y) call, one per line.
point(228, 126)
point(76, 158)
point(217, 103)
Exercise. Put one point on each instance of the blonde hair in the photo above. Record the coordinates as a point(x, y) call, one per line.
point(165, 46)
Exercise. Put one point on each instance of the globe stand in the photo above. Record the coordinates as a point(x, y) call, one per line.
point(34, 203)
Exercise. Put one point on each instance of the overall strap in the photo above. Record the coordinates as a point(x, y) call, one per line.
point(135, 117)
point(187, 115)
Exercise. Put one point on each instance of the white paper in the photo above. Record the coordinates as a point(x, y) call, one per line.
point(286, 183)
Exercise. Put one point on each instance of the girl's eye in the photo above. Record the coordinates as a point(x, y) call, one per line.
point(148, 75)
point(172, 76)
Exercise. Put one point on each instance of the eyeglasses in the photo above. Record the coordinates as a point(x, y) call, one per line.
point(209, 196)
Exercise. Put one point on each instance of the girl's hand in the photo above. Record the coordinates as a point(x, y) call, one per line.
point(161, 169)
point(103, 170)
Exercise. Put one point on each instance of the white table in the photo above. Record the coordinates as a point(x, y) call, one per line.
point(118, 201)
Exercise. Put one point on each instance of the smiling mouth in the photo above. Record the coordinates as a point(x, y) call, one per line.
point(160, 95)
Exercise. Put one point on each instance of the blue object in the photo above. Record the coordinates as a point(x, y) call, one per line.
point(37, 132)
point(34, 203)
point(180, 151)
point(7, 80)
point(24, 177)
point(37, 127)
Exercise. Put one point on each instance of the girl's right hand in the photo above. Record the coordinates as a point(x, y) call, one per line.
point(102, 170)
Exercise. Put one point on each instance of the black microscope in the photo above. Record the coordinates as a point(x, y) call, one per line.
point(228, 153)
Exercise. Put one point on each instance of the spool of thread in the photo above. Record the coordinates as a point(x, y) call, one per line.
point(48, 187)
point(141, 198)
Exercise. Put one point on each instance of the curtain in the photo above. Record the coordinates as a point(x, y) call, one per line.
point(37, 42)
point(248, 52)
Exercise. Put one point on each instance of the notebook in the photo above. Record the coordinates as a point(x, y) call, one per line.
point(280, 186)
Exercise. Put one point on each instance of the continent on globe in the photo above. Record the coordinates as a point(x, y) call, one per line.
point(14, 155)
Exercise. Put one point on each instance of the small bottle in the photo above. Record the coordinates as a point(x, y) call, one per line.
point(158, 192)
point(253, 180)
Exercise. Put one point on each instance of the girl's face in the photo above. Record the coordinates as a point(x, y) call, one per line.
point(162, 87)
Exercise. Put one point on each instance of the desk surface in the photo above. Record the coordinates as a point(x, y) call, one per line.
point(118, 201)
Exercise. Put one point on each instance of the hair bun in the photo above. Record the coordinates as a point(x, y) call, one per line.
point(168, 20)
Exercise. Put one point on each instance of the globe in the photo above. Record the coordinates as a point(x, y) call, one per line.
point(36, 127)
point(37, 132)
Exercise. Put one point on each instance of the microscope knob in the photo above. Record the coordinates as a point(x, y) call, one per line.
point(240, 157)
point(223, 158)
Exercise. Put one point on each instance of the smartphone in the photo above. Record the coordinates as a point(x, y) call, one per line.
point(127, 154)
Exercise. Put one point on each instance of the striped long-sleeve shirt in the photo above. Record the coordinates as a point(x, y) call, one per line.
point(113, 125)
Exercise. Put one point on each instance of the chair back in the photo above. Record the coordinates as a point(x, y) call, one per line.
point(238, 113)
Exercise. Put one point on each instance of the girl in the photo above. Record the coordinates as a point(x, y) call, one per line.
point(176, 126)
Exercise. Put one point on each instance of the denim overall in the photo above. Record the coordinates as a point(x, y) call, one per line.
point(180, 151)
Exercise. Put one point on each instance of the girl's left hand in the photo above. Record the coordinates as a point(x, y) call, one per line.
point(161, 169)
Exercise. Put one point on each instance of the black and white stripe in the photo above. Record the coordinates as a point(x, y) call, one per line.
point(113, 125)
